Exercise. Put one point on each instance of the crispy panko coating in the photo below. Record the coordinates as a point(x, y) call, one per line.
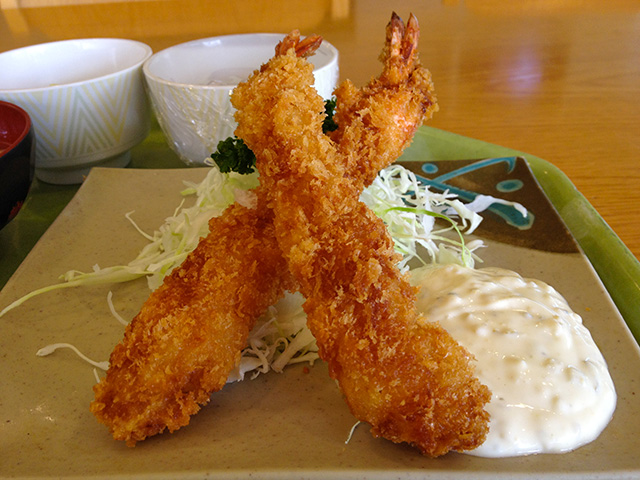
point(377, 122)
point(189, 334)
point(403, 375)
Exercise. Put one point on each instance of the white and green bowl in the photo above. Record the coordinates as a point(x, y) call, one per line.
point(86, 99)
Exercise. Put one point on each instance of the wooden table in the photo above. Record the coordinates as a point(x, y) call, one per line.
point(558, 79)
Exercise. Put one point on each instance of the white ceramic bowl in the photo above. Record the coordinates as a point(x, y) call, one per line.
point(86, 99)
point(190, 83)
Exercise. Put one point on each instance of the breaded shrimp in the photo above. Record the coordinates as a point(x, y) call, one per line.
point(189, 334)
point(377, 122)
point(403, 375)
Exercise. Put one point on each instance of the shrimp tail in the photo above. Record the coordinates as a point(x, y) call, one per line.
point(400, 51)
point(303, 48)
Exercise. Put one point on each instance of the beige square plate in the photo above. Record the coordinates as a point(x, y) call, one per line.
point(289, 425)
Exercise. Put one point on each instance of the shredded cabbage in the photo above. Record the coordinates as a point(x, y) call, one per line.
point(280, 336)
point(410, 209)
point(49, 349)
point(172, 242)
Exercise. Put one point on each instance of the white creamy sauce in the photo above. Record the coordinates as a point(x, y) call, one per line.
point(551, 388)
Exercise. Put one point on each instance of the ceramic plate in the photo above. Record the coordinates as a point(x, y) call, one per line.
point(289, 425)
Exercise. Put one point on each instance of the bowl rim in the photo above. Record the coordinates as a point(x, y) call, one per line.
point(145, 67)
point(23, 134)
point(148, 53)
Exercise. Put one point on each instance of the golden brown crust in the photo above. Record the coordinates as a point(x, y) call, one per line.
point(189, 334)
point(407, 378)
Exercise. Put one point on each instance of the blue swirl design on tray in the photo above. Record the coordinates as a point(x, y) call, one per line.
point(505, 178)
point(510, 214)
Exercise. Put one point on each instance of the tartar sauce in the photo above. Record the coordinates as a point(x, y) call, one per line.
point(551, 388)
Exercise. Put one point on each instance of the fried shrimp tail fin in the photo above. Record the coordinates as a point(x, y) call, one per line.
point(303, 47)
point(377, 122)
point(403, 375)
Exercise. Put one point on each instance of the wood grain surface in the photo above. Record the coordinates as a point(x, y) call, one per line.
point(557, 79)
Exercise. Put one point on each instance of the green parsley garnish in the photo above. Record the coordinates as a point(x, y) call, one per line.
point(233, 155)
point(329, 124)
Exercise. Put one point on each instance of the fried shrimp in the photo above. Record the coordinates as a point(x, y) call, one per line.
point(377, 122)
point(189, 334)
point(403, 375)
